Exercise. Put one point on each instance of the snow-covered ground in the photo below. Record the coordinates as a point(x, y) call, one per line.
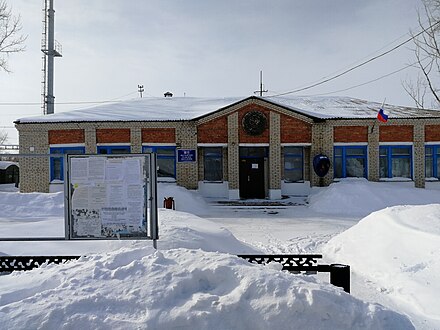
point(389, 234)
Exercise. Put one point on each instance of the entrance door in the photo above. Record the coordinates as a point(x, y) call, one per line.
point(252, 178)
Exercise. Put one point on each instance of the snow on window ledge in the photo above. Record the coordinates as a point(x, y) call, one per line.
point(396, 179)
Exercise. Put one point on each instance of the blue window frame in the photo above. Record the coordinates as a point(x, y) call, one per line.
point(395, 161)
point(293, 164)
point(113, 150)
point(57, 163)
point(350, 161)
point(166, 160)
point(432, 161)
point(213, 164)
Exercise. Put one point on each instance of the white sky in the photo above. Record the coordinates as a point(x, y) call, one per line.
point(209, 49)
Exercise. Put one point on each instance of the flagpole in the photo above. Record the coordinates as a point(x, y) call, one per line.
point(383, 103)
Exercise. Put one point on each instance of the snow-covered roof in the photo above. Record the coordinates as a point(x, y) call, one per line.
point(187, 108)
point(5, 164)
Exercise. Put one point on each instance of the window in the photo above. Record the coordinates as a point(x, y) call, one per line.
point(350, 161)
point(293, 164)
point(113, 150)
point(213, 163)
point(57, 163)
point(166, 160)
point(395, 161)
point(432, 161)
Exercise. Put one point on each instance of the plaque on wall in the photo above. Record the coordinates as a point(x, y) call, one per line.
point(254, 122)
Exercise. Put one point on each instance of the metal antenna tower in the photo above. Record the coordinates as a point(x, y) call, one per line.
point(50, 49)
point(261, 91)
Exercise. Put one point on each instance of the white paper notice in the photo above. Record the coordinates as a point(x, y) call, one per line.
point(80, 198)
point(98, 195)
point(135, 203)
point(116, 195)
point(114, 216)
point(79, 169)
point(132, 171)
point(87, 223)
point(114, 170)
point(96, 169)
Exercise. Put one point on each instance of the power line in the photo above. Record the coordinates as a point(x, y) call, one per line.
point(57, 103)
point(66, 103)
point(372, 53)
point(368, 82)
point(359, 65)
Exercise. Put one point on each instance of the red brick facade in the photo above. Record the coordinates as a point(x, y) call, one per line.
point(245, 137)
point(214, 131)
point(401, 133)
point(432, 133)
point(158, 135)
point(66, 136)
point(295, 131)
point(113, 135)
point(348, 134)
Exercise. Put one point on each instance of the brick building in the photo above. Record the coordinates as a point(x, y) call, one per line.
point(241, 148)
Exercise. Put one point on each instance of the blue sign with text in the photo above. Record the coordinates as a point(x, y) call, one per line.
point(186, 155)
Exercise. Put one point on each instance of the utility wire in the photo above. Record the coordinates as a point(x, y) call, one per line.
point(370, 81)
point(359, 65)
point(56, 103)
point(67, 103)
point(372, 53)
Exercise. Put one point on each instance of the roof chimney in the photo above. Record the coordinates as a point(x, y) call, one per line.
point(168, 94)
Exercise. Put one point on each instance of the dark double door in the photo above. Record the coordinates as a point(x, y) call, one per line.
point(252, 178)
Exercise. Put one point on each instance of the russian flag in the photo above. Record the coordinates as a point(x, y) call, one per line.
point(382, 116)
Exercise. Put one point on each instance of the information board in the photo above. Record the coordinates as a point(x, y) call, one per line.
point(109, 196)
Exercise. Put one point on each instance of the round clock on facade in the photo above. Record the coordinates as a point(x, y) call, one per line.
point(254, 122)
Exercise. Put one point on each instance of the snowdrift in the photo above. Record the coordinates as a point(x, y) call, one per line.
point(397, 249)
point(134, 288)
point(194, 281)
point(32, 205)
point(359, 197)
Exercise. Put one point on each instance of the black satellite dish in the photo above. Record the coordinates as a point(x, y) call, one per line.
point(321, 165)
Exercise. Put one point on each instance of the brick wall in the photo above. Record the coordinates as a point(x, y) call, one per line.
point(187, 172)
point(348, 134)
point(419, 155)
point(112, 135)
point(214, 131)
point(275, 152)
point(300, 129)
point(432, 133)
point(65, 136)
point(396, 133)
point(159, 135)
point(294, 130)
point(245, 137)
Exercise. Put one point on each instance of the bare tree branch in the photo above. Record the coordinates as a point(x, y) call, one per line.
point(11, 39)
point(427, 53)
point(3, 137)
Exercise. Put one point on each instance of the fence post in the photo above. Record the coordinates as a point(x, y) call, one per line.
point(340, 276)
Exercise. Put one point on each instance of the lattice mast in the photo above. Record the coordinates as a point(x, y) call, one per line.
point(50, 49)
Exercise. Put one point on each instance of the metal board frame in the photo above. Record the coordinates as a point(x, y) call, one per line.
point(87, 223)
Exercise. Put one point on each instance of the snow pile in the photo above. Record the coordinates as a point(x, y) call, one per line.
point(359, 197)
point(8, 187)
point(397, 249)
point(184, 230)
point(184, 200)
point(134, 288)
point(31, 205)
point(194, 281)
